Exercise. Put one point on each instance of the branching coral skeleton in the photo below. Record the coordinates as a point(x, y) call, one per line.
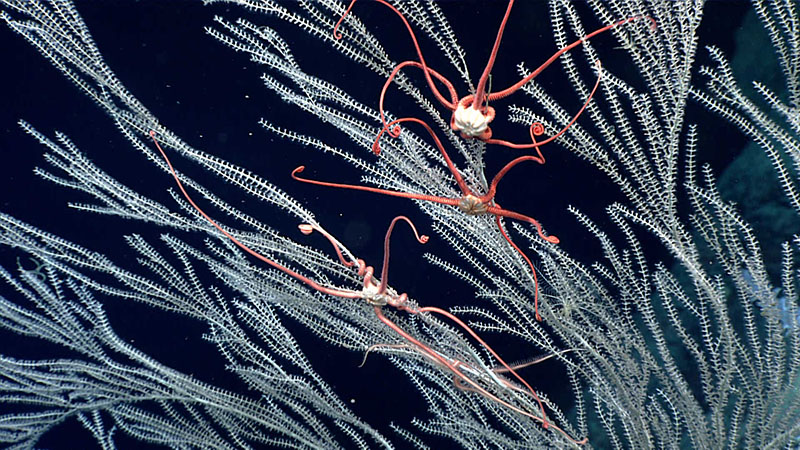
point(378, 294)
point(471, 116)
point(472, 121)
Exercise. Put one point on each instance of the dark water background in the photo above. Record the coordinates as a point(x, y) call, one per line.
point(213, 98)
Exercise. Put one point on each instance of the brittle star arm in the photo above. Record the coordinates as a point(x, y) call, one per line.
point(386, 240)
point(501, 212)
point(453, 95)
point(474, 385)
point(537, 129)
point(430, 198)
point(462, 185)
point(516, 366)
point(456, 370)
point(475, 336)
point(313, 284)
point(480, 91)
point(427, 71)
point(489, 196)
point(513, 88)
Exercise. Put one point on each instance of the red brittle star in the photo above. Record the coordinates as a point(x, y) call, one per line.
point(377, 294)
point(472, 114)
point(469, 203)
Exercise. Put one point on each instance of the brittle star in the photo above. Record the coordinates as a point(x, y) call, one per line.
point(469, 120)
point(469, 203)
point(377, 294)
